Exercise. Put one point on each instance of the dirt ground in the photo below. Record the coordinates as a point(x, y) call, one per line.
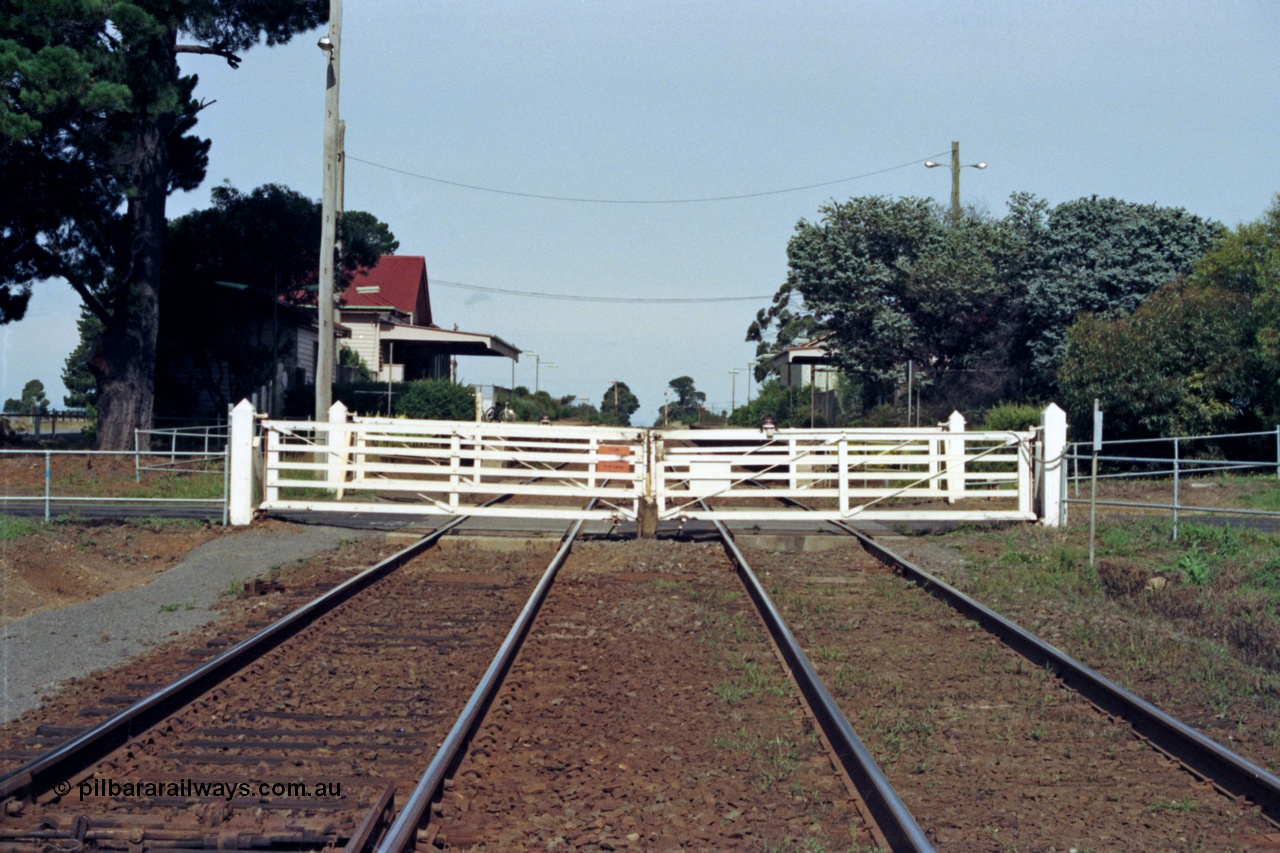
point(646, 711)
point(62, 564)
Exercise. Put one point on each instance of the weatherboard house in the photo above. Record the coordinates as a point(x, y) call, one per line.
point(387, 309)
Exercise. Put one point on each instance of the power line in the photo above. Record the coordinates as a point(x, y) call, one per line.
point(634, 200)
point(567, 297)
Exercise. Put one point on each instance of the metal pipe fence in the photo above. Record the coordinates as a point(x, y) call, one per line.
point(1175, 467)
point(106, 485)
point(161, 445)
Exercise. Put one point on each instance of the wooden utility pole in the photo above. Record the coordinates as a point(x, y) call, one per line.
point(955, 178)
point(326, 354)
point(955, 181)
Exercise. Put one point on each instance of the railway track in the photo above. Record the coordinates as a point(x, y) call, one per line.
point(986, 749)
point(904, 653)
point(645, 711)
point(292, 739)
point(635, 703)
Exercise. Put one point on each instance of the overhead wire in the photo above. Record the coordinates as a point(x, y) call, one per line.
point(587, 200)
point(632, 300)
point(567, 297)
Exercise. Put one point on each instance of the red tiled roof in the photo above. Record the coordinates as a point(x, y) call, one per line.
point(399, 281)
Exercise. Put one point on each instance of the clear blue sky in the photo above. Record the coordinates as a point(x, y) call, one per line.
point(1167, 102)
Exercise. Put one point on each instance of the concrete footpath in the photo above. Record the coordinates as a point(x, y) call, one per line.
point(42, 650)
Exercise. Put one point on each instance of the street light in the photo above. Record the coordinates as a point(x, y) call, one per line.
point(537, 367)
point(733, 390)
point(325, 351)
point(955, 178)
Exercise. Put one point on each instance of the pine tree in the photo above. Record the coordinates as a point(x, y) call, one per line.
point(95, 121)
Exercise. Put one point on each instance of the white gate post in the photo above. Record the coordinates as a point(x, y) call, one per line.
point(955, 459)
point(338, 439)
point(1051, 466)
point(240, 460)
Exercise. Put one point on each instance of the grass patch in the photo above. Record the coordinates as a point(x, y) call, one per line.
point(1184, 805)
point(14, 527)
point(1193, 625)
point(740, 740)
point(1258, 491)
point(71, 477)
point(174, 608)
point(751, 681)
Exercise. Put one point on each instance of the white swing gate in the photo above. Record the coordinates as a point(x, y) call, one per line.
point(391, 465)
point(449, 468)
point(902, 474)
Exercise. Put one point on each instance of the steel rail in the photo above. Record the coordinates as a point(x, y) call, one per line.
point(403, 833)
point(894, 821)
point(41, 773)
point(1232, 773)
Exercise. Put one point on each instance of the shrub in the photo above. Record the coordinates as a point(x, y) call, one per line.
point(784, 406)
point(348, 357)
point(1011, 416)
point(883, 415)
point(436, 399)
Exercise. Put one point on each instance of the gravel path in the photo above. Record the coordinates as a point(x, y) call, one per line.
point(42, 650)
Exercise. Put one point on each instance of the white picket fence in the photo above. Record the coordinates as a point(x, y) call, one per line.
point(433, 468)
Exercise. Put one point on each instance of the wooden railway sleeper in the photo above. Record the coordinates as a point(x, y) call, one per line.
point(115, 836)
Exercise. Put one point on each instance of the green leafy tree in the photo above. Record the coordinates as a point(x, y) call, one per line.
point(618, 405)
point(33, 400)
point(784, 406)
point(95, 132)
point(783, 324)
point(980, 304)
point(1246, 261)
point(688, 400)
point(1100, 256)
point(229, 271)
point(1181, 364)
point(896, 279)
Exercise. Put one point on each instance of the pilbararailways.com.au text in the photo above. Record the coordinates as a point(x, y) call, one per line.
point(191, 788)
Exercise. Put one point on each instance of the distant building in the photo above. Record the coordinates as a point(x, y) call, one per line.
point(808, 363)
point(388, 310)
point(811, 363)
